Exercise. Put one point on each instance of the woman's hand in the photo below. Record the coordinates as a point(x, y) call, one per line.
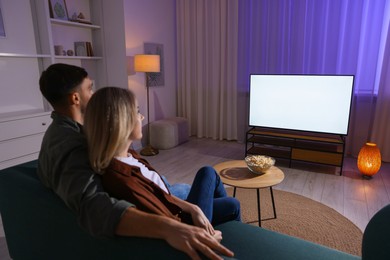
point(200, 220)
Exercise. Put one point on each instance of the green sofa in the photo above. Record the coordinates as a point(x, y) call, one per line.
point(38, 225)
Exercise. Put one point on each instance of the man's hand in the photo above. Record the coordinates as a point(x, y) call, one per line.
point(191, 240)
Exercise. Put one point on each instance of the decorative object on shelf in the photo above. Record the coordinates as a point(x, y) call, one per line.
point(155, 78)
point(259, 164)
point(58, 50)
point(58, 9)
point(70, 52)
point(80, 18)
point(369, 160)
point(2, 30)
point(149, 64)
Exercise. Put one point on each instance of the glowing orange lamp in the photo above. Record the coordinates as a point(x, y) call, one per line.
point(369, 160)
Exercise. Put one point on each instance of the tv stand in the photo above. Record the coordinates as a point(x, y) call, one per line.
point(309, 147)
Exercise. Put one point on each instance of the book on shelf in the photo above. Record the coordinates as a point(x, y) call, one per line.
point(89, 49)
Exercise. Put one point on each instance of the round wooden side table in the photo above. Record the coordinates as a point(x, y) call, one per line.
point(236, 174)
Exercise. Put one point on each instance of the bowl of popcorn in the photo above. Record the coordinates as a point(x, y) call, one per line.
point(259, 164)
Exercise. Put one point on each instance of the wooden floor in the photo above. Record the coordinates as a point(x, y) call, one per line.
point(351, 195)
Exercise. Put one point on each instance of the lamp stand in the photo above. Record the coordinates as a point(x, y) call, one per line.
point(148, 150)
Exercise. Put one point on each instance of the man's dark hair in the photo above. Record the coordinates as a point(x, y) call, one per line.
point(58, 80)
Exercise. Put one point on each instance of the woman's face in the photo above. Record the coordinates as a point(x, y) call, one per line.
point(137, 131)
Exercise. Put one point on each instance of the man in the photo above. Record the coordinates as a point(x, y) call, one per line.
point(64, 167)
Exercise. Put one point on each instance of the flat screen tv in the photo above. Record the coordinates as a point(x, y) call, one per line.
point(311, 103)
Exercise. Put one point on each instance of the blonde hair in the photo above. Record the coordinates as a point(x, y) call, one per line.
point(110, 118)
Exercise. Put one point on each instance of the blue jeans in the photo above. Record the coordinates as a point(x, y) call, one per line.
point(208, 192)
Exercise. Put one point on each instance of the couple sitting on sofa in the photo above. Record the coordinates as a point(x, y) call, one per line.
point(139, 201)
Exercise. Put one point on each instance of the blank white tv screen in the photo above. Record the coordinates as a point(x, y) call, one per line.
point(314, 103)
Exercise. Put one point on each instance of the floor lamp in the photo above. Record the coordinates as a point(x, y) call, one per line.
point(147, 63)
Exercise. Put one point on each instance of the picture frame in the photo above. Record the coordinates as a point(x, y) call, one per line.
point(58, 9)
point(2, 29)
point(80, 49)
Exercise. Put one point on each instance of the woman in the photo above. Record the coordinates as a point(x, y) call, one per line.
point(112, 122)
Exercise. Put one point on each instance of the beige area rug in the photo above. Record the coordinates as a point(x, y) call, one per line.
point(301, 217)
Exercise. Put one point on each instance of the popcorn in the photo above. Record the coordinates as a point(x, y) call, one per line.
point(259, 163)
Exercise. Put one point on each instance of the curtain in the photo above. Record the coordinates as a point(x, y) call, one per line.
point(381, 126)
point(318, 37)
point(207, 45)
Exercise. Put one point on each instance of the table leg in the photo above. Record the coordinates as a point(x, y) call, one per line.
point(258, 206)
point(273, 202)
point(234, 192)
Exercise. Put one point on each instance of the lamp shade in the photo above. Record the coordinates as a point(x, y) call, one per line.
point(369, 159)
point(147, 63)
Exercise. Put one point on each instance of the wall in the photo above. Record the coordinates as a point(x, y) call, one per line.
point(152, 21)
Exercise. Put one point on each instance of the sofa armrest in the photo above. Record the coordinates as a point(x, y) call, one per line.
point(376, 241)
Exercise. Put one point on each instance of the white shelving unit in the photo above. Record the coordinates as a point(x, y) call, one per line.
point(28, 49)
point(24, 55)
point(74, 24)
point(90, 28)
